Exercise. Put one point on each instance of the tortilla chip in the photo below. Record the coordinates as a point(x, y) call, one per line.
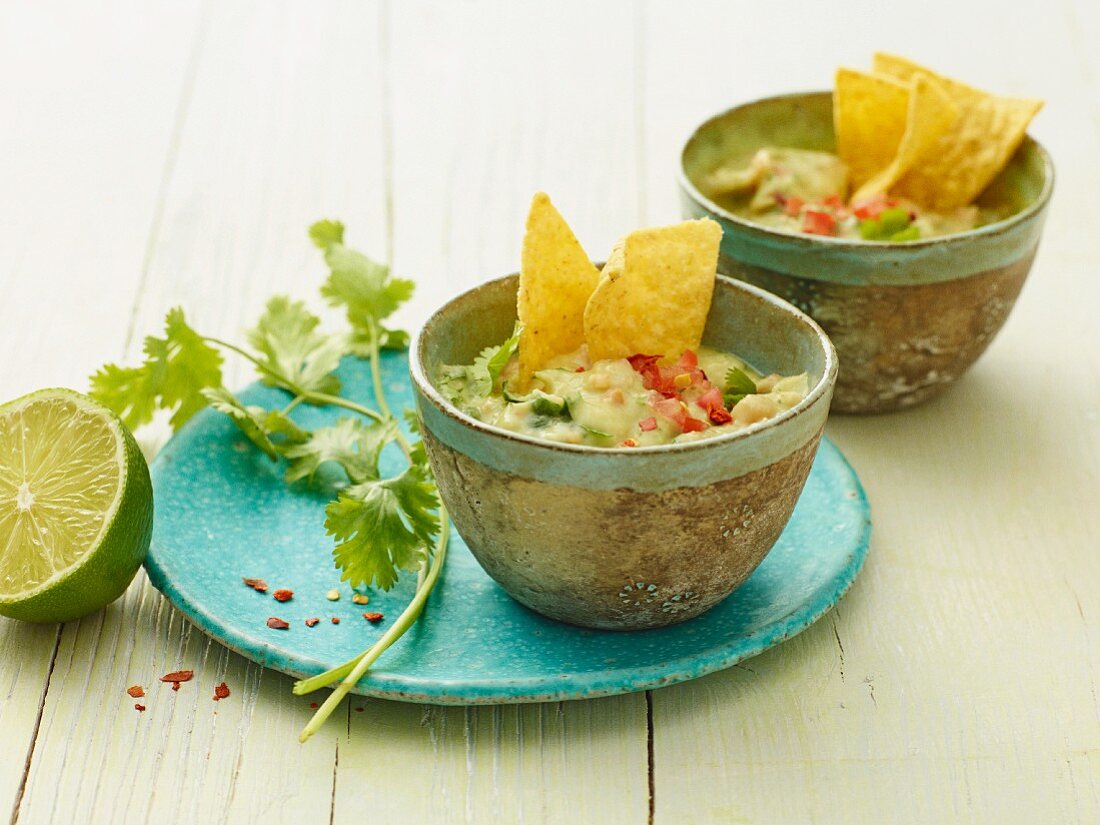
point(869, 114)
point(556, 279)
point(931, 113)
point(966, 158)
point(655, 292)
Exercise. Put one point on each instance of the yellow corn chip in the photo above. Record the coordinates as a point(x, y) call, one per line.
point(931, 114)
point(655, 292)
point(869, 114)
point(966, 158)
point(556, 279)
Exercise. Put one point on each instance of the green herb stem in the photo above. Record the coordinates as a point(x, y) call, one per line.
point(352, 671)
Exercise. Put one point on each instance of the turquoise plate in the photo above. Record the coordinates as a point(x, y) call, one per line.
point(223, 512)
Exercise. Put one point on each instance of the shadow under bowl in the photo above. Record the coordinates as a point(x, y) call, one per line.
point(907, 319)
point(623, 538)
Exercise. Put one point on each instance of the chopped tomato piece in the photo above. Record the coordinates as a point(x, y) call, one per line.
point(647, 424)
point(713, 403)
point(793, 206)
point(818, 223)
point(693, 425)
point(873, 207)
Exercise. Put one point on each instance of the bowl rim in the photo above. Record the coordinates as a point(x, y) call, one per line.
point(686, 184)
point(822, 387)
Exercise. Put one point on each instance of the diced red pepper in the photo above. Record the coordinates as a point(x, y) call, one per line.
point(816, 222)
point(793, 206)
point(647, 424)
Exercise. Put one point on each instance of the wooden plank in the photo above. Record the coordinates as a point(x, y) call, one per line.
point(476, 130)
point(281, 128)
point(958, 680)
point(89, 107)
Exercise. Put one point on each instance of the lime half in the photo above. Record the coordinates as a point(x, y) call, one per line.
point(76, 507)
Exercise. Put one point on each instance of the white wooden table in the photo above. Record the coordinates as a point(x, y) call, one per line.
point(162, 154)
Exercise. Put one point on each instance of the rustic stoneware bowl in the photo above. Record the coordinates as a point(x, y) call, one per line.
point(907, 319)
point(623, 538)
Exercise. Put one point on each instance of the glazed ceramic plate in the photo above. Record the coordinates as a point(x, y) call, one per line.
point(223, 512)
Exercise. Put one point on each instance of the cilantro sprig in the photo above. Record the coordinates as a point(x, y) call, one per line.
point(381, 526)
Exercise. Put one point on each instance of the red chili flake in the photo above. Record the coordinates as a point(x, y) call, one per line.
point(579, 369)
point(139, 708)
point(335, 620)
point(630, 442)
point(221, 692)
point(373, 618)
point(312, 622)
point(259, 585)
point(137, 691)
point(314, 705)
point(177, 676)
point(277, 624)
point(283, 595)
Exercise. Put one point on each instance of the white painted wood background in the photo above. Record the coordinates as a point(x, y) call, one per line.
point(154, 154)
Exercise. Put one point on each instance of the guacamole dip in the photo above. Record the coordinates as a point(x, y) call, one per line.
point(800, 190)
point(638, 401)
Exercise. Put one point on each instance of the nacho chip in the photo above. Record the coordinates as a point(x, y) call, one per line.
point(931, 113)
point(966, 158)
point(655, 292)
point(869, 114)
point(556, 279)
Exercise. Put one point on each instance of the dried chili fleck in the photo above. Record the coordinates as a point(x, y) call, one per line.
point(137, 691)
point(373, 617)
point(221, 692)
point(176, 677)
point(312, 622)
point(139, 708)
point(277, 624)
point(283, 595)
point(259, 585)
point(314, 705)
point(335, 620)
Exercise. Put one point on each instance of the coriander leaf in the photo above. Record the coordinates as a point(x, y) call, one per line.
point(363, 287)
point(383, 525)
point(359, 342)
point(276, 423)
point(412, 420)
point(326, 233)
point(261, 426)
point(353, 445)
point(294, 350)
point(738, 385)
point(183, 364)
point(177, 368)
point(250, 420)
point(487, 367)
point(127, 392)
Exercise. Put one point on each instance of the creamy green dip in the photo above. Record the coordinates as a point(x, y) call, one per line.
point(804, 191)
point(636, 402)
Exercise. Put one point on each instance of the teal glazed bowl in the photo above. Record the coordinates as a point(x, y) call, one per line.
point(907, 319)
point(623, 538)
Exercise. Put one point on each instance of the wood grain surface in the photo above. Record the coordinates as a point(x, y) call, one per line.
point(154, 155)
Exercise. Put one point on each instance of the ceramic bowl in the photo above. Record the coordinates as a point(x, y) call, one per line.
point(907, 319)
point(623, 538)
